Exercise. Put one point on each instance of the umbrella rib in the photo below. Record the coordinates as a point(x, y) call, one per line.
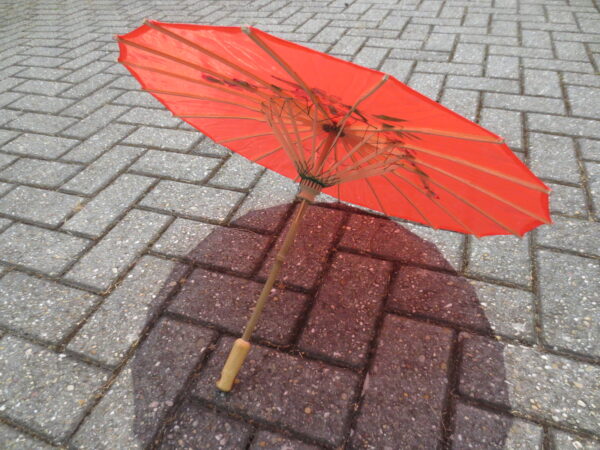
point(436, 203)
point(258, 41)
point(191, 80)
point(249, 136)
point(207, 52)
point(201, 97)
point(201, 116)
point(182, 62)
point(469, 203)
point(478, 167)
point(348, 154)
point(296, 132)
point(417, 209)
point(488, 193)
point(271, 152)
point(462, 136)
point(281, 137)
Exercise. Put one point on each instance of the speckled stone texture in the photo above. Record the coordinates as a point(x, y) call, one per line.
point(132, 247)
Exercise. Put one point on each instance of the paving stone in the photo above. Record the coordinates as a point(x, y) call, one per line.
point(38, 205)
point(265, 207)
point(448, 243)
point(90, 103)
point(47, 391)
point(4, 223)
point(227, 301)
point(524, 103)
point(208, 147)
point(440, 41)
point(428, 84)
point(590, 149)
point(502, 67)
point(175, 165)
point(6, 135)
point(463, 102)
point(97, 215)
point(118, 323)
point(370, 57)
point(540, 385)
point(196, 202)
point(398, 68)
point(363, 233)
point(39, 145)
point(444, 68)
point(593, 173)
point(95, 121)
point(304, 396)
point(507, 124)
point(570, 300)
point(98, 143)
point(151, 117)
point(567, 200)
point(546, 150)
point(11, 438)
point(41, 123)
point(43, 250)
point(182, 237)
point(163, 138)
point(501, 257)
point(342, 320)
point(41, 103)
point(196, 427)
point(137, 98)
point(406, 385)
point(542, 82)
point(478, 428)
point(483, 84)
point(266, 440)
point(41, 173)
point(131, 411)
point(308, 254)
point(110, 257)
point(572, 126)
point(98, 174)
point(43, 309)
point(237, 173)
point(563, 440)
point(571, 234)
point(6, 160)
point(42, 87)
point(347, 45)
point(584, 101)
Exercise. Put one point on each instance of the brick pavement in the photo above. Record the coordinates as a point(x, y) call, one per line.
point(121, 288)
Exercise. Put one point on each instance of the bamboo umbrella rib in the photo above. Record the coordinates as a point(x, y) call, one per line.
point(202, 116)
point(462, 136)
point(488, 193)
point(201, 97)
point(315, 119)
point(437, 203)
point(250, 136)
point(478, 167)
point(269, 51)
point(282, 138)
point(407, 198)
point(192, 80)
point(182, 62)
point(469, 203)
point(356, 164)
point(271, 152)
point(207, 52)
point(296, 132)
point(347, 155)
point(284, 131)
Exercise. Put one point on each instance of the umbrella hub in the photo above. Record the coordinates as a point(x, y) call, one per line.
point(333, 128)
point(309, 189)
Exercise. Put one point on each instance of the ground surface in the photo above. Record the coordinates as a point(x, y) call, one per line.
point(131, 249)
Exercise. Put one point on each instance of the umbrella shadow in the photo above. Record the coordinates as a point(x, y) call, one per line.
point(325, 291)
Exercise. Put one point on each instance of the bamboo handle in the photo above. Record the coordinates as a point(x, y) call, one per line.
point(232, 366)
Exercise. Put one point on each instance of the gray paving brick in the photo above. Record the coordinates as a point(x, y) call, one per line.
point(43, 250)
point(43, 309)
point(354, 286)
point(97, 215)
point(175, 165)
point(163, 138)
point(207, 147)
point(5, 159)
point(370, 57)
point(98, 143)
point(501, 257)
point(428, 84)
point(569, 291)
point(574, 51)
point(43, 73)
point(6, 135)
point(7, 115)
point(95, 121)
point(446, 68)
point(43, 87)
point(151, 117)
point(237, 173)
point(562, 439)
point(11, 438)
point(98, 174)
point(524, 103)
point(469, 53)
point(540, 385)
point(590, 149)
point(197, 202)
point(39, 205)
point(43, 389)
point(347, 45)
point(90, 103)
point(544, 153)
point(85, 88)
point(593, 173)
point(409, 373)
point(196, 427)
point(41, 123)
point(48, 174)
point(571, 234)
point(502, 67)
point(305, 396)
point(39, 145)
point(478, 428)
point(463, 102)
point(145, 388)
point(584, 101)
point(398, 68)
point(567, 200)
point(102, 265)
point(182, 237)
point(118, 323)
point(266, 440)
point(41, 103)
point(137, 98)
point(507, 124)
point(541, 82)
point(556, 64)
point(440, 41)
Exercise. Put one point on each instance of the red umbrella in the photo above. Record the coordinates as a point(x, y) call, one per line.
point(348, 131)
